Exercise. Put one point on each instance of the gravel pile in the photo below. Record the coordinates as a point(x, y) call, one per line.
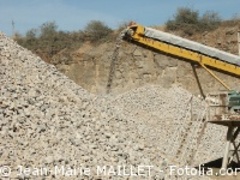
point(49, 122)
point(171, 120)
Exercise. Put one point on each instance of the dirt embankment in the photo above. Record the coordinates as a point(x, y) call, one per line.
point(137, 66)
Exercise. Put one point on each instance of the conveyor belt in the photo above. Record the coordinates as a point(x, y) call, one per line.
point(198, 47)
point(194, 52)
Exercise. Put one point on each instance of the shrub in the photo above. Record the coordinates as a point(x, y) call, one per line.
point(189, 21)
point(96, 31)
point(48, 29)
point(47, 41)
point(209, 21)
point(185, 20)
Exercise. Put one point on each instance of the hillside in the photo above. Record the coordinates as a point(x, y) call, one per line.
point(136, 66)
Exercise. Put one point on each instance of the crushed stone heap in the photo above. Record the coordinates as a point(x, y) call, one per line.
point(46, 120)
point(171, 120)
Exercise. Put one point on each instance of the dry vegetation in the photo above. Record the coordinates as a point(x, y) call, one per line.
point(190, 22)
point(47, 41)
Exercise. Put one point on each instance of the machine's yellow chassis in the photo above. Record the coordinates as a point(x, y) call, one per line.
point(136, 32)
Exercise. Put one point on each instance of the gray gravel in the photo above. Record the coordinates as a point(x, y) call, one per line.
point(46, 120)
point(172, 120)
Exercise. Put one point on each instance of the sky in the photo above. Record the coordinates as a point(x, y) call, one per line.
point(73, 15)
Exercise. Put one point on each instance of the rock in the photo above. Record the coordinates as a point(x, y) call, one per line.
point(50, 120)
point(137, 52)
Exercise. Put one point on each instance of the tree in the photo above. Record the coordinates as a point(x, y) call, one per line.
point(186, 16)
point(189, 21)
point(210, 20)
point(31, 34)
point(48, 29)
point(185, 19)
point(96, 30)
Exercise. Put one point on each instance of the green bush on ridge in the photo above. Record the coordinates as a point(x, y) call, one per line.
point(189, 21)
